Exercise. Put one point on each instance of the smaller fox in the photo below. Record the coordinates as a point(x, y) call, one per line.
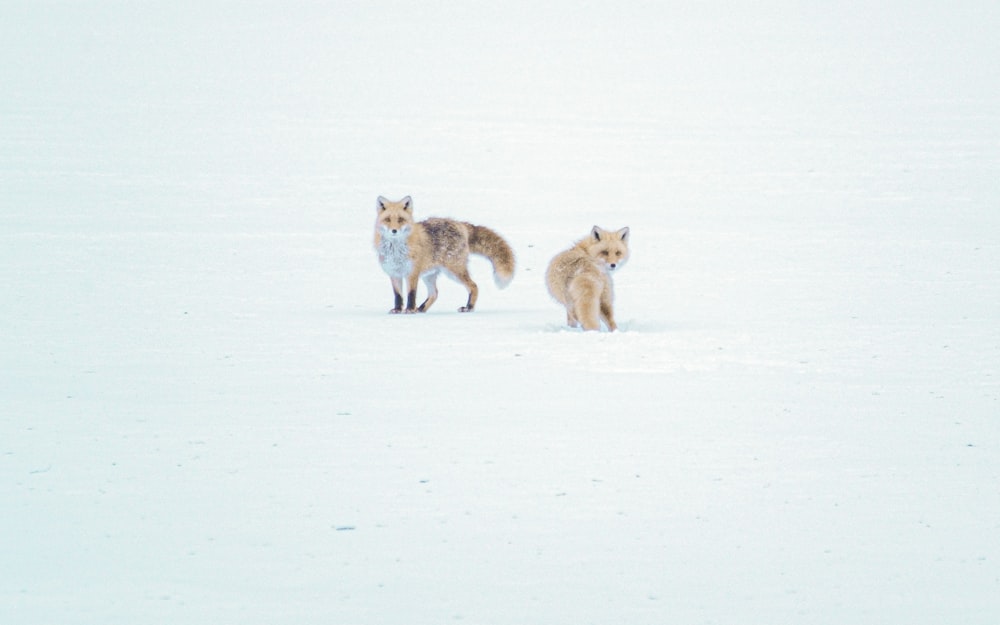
point(580, 278)
point(411, 250)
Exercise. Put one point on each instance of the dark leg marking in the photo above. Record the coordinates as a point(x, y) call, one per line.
point(469, 305)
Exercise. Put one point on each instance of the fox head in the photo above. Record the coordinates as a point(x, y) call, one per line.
point(608, 249)
point(394, 219)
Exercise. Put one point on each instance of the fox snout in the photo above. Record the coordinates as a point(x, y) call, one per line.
point(395, 230)
point(611, 260)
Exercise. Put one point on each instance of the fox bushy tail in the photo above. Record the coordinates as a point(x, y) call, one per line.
point(488, 243)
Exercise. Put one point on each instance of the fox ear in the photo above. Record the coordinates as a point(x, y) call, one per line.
point(380, 203)
point(623, 233)
point(596, 233)
point(407, 203)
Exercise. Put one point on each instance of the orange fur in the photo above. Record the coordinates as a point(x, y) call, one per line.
point(580, 278)
point(410, 250)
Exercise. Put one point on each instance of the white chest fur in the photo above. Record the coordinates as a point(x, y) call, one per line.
point(394, 256)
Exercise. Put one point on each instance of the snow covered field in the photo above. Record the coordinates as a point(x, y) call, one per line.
point(207, 417)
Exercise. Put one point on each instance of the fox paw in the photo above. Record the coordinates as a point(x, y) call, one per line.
point(395, 311)
point(466, 309)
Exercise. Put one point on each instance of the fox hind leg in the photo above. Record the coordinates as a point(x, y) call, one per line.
point(607, 314)
point(464, 277)
point(588, 315)
point(430, 281)
point(585, 295)
point(571, 319)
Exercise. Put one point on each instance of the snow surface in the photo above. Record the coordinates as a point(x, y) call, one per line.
point(207, 416)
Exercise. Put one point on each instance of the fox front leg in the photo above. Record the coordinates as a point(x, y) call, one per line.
point(411, 294)
point(397, 290)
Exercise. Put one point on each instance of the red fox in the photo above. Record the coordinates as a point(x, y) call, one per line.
point(411, 250)
point(580, 278)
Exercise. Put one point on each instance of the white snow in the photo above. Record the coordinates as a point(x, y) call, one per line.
point(207, 415)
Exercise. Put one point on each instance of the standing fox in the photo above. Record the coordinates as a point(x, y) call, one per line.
point(580, 278)
point(411, 250)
